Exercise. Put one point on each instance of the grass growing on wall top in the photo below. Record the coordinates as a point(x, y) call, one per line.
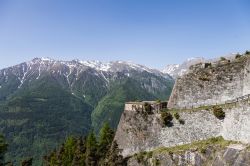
point(209, 107)
point(197, 145)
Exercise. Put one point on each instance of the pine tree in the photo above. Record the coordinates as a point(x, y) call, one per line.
point(79, 157)
point(27, 162)
point(87, 151)
point(60, 154)
point(52, 159)
point(91, 150)
point(113, 157)
point(69, 151)
point(72, 152)
point(3, 149)
point(105, 140)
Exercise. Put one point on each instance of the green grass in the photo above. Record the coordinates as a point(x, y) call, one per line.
point(208, 108)
point(199, 145)
point(248, 148)
point(219, 142)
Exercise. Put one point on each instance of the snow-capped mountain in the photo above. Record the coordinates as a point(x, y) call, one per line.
point(77, 74)
point(115, 66)
point(71, 69)
point(177, 70)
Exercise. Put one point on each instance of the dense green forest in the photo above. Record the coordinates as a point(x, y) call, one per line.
point(77, 151)
point(40, 117)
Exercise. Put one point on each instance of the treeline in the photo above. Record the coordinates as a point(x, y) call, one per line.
point(78, 151)
point(87, 151)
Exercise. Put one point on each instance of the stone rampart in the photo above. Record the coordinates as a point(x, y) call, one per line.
point(212, 84)
point(139, 132)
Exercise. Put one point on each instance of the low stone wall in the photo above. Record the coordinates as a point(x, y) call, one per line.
point(133, 106)
point(139, 106)
point(139, 132)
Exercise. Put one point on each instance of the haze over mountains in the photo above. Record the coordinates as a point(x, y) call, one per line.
point(44, 100)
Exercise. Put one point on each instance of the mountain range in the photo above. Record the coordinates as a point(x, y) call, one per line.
point(42, 101)
point(177, 70)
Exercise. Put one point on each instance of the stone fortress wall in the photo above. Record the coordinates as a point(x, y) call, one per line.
point(223, 82)
point(137, 132)
point(210, 84)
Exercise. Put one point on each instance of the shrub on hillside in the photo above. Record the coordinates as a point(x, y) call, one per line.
point(247, 52)
point(181, 121)
point(140, 156)
point(166, 118)
point(218, 112)
point(223, 58)
point(207, 65)
point(176, 115)
point(237, 56)
point(148, 108)
point(204, 78)
point(158, 101)
point(203, 150)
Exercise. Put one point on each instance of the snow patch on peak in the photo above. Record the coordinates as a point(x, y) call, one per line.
point(98, 65)
point(46, 59)
point(135, 66)
point(170, 68)
point(114, 66)
point(41, 60)
point(193, 59)
point(176, 70)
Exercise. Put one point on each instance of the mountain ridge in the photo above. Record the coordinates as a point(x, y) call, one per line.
point(177, 70)
point(38, 65)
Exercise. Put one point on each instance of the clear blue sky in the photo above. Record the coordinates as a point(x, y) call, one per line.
point(150, 32)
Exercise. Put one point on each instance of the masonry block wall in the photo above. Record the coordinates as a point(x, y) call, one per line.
point(216, 84)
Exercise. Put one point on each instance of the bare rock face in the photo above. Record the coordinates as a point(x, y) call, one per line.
point(212, 83)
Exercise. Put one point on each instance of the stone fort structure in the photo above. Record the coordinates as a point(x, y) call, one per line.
point(224, 83)
point(212, 83)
